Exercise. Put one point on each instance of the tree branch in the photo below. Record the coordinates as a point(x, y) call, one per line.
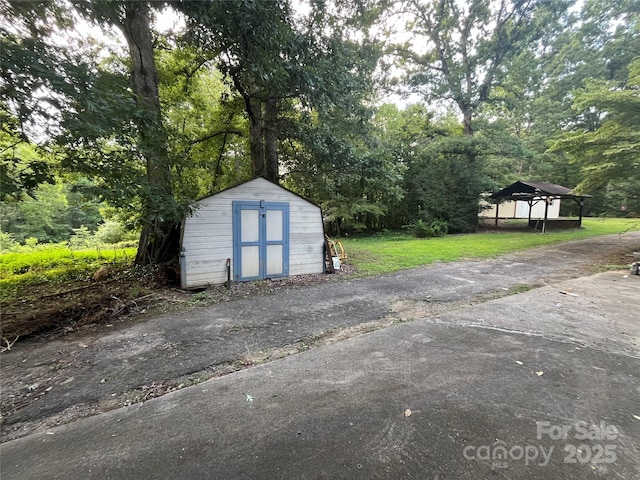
point(195, 141)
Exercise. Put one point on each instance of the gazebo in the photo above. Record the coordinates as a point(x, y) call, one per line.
point(533, 193)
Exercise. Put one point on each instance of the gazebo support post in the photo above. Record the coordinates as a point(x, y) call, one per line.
point(581, 203)
point(497, 208)
point(546, 212)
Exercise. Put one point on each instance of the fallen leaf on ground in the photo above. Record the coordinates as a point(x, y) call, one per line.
point(518, 362)
point(540, 373)
point(407, 412)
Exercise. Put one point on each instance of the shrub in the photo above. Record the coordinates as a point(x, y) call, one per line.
point(81, 238)
point(433, 228)
point(111, 232)
point(460, 225)
point(8, 242)
point(31, 242)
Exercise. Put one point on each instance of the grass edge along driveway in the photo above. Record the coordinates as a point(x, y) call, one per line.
point(386, 253)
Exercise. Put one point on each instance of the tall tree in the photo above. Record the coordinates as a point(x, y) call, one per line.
point(459, 49)
point(93, 107)
point(253, 44)
point(595, 47)
point(278, 61)
point(204, 120)
point(611, 151)
point(460, 52)
point(161, 216)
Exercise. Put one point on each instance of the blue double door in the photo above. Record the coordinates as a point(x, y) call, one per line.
point(260, 240)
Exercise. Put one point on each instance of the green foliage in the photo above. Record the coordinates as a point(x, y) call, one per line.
point(259, 75)
point(543, 96)
point(622, 198)
point(43, 217)
point(442, 184)
point(41, 258)
point(22, 165)
point(81, 238)
point(463, 47)
point(8, 242)
point(51, 212)
point(422, 229)
point(54, 263)
point(112, 231)
point(34, 66)
point(31, 242)
point(611, 151)
point(205, 123)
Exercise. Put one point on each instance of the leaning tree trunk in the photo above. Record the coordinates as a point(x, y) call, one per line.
point(159, 240)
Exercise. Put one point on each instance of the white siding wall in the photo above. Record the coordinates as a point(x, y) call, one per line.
point(520, 209)
point(538, 210)
point(207, 239)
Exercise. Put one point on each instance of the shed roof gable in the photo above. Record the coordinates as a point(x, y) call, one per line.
point(258, 180)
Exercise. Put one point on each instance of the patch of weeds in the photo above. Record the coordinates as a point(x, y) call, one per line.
point(399, 320)
point(199, 297)
point(610, 267)
point(520, 289)
point(136, 291)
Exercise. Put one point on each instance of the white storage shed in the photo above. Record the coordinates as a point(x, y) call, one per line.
point(257, 229)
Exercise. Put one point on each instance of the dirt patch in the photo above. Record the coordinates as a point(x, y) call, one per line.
point(43, 310)
point(86, 304)
point(67, 311)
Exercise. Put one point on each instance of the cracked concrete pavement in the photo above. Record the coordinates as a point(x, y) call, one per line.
point(469, 376)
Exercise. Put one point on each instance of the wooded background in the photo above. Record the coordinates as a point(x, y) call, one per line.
point(388, 114)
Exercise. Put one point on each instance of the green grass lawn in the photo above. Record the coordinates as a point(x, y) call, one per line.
point(391, 252)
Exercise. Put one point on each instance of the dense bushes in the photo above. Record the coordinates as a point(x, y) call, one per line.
point(434, 228)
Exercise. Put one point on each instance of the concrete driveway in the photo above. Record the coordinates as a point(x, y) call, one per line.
point(46, 383)
point(540, 385)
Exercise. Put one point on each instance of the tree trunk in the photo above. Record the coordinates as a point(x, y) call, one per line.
point(271, 140)
point(254, 109)
point(466, 121)
point(159, 240)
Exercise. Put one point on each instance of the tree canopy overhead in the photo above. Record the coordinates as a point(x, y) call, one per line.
point(611, 151)
point(459, 50)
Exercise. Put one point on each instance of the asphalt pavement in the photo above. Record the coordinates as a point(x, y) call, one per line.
point(544, 384)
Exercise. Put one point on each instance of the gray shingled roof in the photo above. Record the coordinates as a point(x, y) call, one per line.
point(534, 189)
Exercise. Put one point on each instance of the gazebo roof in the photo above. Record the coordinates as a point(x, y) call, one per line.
point(527, 190)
